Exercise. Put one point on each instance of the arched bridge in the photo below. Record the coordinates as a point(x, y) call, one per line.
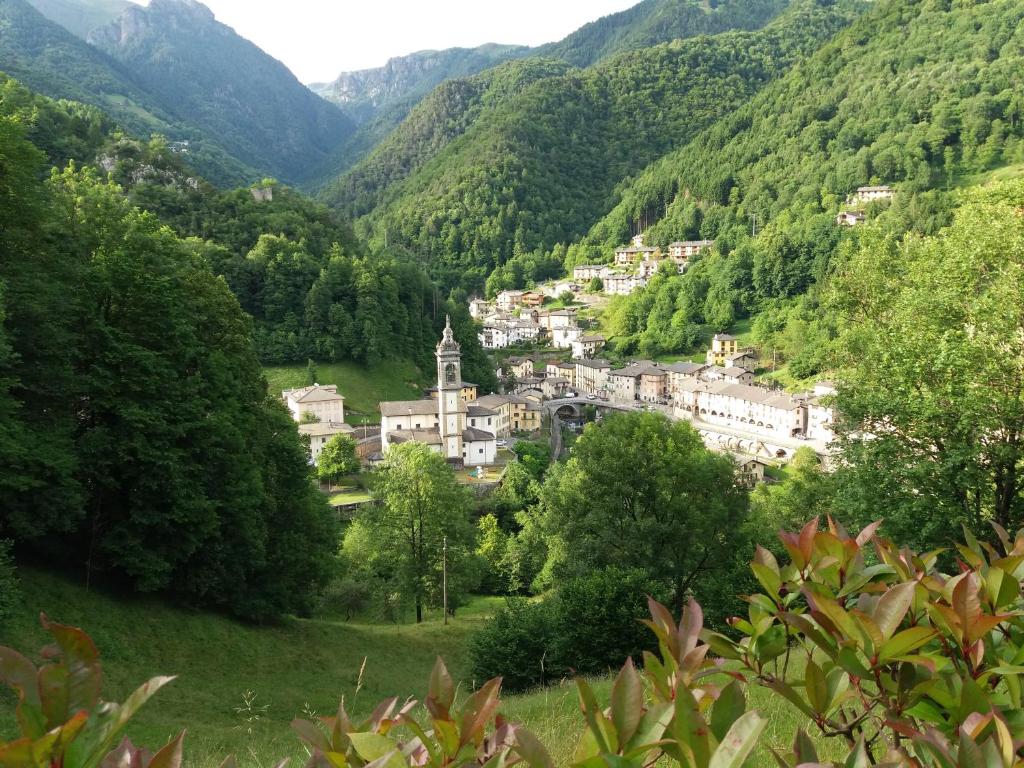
point(572, 407)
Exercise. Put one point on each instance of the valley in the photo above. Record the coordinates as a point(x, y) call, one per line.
point(670, 372)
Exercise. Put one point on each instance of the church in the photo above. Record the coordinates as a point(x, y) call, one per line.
point(440, 422)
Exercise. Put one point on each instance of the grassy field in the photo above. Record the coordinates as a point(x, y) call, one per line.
point(363, 386)
point(288, 671)
point(298, 666)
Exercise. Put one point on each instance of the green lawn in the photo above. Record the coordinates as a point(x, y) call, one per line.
point(348, 496)
point(363, 386)
point(293, 667)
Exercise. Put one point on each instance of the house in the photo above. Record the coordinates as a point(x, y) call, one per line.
point(565, 337)
point(557, 318)
point(468, 392)
point(587, 272)
point(485, 419)
point(588, 345)
point(506, 301)
point(560, 370)
point(722, 345)
point(745, 359)
point(644, 380)
point(648, 268)
point(555, 386)
point(319, 401)
point(626, 255)
point(494, 336)
point(518, 367)
point(749, 470)
point(638, 240)
point(522, 386)
point(849, 218)
point(478, 308)
point(820, 415)
point(440, 422)
point(744, 407)
point(870, 194)
point(684, 250)
point(563, 286)
point(515, 413)
point(680, 372)
point(320, 433)
point(591, 376)
point(532, 299)
point(736, 375)
point(623, 285)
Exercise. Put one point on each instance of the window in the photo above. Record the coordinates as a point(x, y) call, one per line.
point(480, 451)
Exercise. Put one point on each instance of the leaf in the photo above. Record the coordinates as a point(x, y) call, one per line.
point(82, 660)
point(784, 690)
point(371, 746)
point(690, 625)
point(904, 642)
point(479, 709)
point(310, 734)
point(965, 601)
point(20, 674)
point(893, 606)
point(530, 748)
point(170, 755)
point(441, 688)
point(816, 687)
point(868, 533)
point(739, 741)
point(859, 756)
point(627, 702)
point(731, 704)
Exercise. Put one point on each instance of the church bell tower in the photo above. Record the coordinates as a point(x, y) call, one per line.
point(449, 388)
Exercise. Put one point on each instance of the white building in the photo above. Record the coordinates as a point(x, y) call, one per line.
point(849, 218)
point(743, 407)
point(587, 272)
point(506, 301)
point(320, 433)
point(591, 376)
point(479, 309)
point(587, 345)
point(870, 194)
point(321, 401)
point(442, 422)
point(623, 285)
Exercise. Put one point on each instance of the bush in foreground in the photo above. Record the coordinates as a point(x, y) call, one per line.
point(906, 665)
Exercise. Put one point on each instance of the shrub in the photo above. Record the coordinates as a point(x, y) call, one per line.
point(346, 597)
point(517, 645)
point(598, 620)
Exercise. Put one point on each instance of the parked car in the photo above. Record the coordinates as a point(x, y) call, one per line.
point(591, 397)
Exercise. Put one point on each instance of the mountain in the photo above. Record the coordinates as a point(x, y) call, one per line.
point(658, 21)
point(367, 93)
point(542, 163)
point(80, 17)
point(915, 93)
point(227, 86)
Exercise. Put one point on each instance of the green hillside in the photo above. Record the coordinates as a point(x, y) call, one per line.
point(226, 85)
point(50, 60)
point(292, 667)
point(81, 16)
point(542, 166)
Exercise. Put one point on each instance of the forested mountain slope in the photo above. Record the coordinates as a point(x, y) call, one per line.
point(388, 94)
point(442, 116)
point(920, 95)
point(913, 94)
point(231, 89)
point(80, 17)
point(658, 21)
point(541, 166)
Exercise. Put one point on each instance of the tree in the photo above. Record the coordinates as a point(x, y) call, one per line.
point(400, 538)
point(596, 285)
point(676, 519)
point(337, 459)
point(932, 383)
point(807, 490)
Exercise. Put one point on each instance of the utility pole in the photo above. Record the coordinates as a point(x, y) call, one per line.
point(753, 225)
point(444, 578)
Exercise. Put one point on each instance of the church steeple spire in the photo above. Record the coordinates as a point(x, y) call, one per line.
point(448, 342)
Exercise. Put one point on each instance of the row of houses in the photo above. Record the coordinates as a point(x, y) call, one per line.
point(558, 328)
point(634, 265)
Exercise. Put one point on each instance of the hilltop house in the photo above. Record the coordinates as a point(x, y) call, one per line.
point(506, 301)
point(849, 218)
point(479, 309)
point(587, 345)
point(683, 251)
point(870, 194)
point(442, 422)
point(587, 272)
point(321, 402)
point(722, 346)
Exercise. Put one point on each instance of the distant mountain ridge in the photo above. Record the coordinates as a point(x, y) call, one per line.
point(230, 88)
point(80, 17)
point(365, 93)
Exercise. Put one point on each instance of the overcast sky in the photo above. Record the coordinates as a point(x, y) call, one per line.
point(317, 39)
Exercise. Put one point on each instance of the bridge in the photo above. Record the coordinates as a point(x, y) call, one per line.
point(572, 407)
